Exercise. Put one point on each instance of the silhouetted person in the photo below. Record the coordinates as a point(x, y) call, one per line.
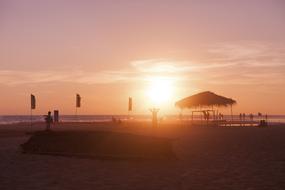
point(114, 120)
point(205, 115)
point(263, 123)
point(154, 116)
point(243, 116)
point(48, 119)
point(251, 116)
point(221, 116)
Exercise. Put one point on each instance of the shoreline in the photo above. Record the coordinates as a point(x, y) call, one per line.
point(16, 119)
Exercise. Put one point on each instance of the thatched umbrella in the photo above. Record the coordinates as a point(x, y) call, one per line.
point(205, 99)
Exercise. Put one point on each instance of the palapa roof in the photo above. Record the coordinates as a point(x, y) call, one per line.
point(204, 99)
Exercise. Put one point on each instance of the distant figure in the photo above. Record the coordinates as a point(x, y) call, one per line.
point(251, 116)
point(154, 112)
point(205, 115)
point(221, 116)
point(208, 116)
point(243, 116)
point(49, 120)
point(266, 117)
point(263, 123)
point(114, 120)
point(240, 116)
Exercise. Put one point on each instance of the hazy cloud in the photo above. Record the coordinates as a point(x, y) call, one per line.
point(224, 63)
point(252, 63)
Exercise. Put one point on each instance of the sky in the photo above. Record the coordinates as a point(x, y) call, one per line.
point(109, 50)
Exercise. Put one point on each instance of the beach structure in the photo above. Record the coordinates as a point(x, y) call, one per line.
point(205, 102)
point(56, 116)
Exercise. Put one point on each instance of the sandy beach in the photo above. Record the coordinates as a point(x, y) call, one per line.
point(208, 158)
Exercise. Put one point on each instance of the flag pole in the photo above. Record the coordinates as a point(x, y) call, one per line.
point(76, 107)
point(231, 115)
point(31, 118)
point(76, 113)
point(129, 108)
point(33, 106)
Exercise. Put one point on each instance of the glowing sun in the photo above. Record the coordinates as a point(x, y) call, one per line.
point(159, 90)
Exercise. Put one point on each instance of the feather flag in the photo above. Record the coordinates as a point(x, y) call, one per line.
point(78, 100)
point(130, 107)
point(33, 101)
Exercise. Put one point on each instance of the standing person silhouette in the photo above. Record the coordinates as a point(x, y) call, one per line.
point(48, 119)
point(251, 118)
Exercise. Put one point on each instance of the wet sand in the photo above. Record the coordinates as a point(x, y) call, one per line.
point(208, 158)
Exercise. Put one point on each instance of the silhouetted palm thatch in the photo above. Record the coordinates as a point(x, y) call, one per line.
point(204, 99)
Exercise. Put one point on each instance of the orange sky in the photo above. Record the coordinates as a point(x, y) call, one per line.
point(106, 51)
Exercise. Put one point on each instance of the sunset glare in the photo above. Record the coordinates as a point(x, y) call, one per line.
point(160, 90)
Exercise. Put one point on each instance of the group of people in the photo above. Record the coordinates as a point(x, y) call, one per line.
point(115, 120)
point(262, 122)
point(242, 116)
point(207, 116)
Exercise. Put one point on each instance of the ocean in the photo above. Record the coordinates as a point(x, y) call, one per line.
point(11, 119)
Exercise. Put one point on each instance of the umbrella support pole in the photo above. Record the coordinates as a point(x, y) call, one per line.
point(231, 115)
